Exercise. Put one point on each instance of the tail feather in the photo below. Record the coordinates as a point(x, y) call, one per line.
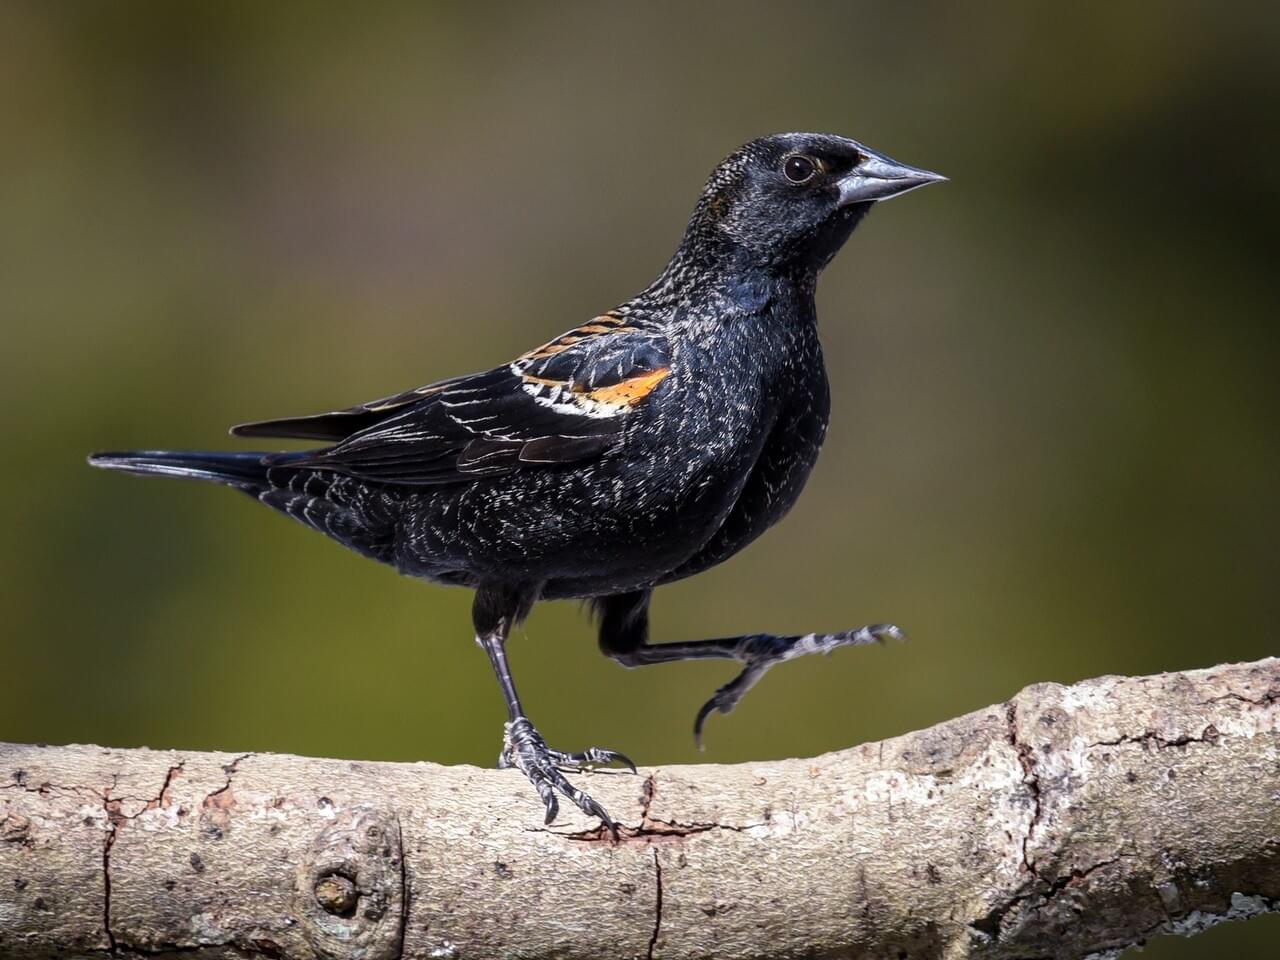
point(323, 500)
point(244, 470)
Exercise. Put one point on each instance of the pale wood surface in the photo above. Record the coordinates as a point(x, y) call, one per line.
point(1068, 821)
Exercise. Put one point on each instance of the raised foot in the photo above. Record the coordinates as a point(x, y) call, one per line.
point(760, 651)
point(524, 748)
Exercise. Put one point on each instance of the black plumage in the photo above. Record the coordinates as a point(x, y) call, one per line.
point(644, 446)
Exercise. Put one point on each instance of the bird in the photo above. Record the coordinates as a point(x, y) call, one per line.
point(642, 447)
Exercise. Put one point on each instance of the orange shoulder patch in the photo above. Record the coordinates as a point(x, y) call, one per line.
point(629, 392)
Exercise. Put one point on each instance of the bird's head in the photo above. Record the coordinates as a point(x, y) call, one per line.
point(790, 201)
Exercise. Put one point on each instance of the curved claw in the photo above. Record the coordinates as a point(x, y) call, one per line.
point(595, 755)
point(727, 697)
point(700, 720)
point(613, 756)
point(583, 801)
point(553, 807)
point(596, 810)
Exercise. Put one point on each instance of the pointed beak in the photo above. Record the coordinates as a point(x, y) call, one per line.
point(877, 177)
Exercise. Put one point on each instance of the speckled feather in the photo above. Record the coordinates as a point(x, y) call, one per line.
point(712, 454)
point(645, 445)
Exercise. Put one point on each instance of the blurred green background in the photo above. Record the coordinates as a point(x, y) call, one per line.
point(1054, 445)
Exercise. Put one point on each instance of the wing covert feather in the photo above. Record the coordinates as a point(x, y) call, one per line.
point(565, 402)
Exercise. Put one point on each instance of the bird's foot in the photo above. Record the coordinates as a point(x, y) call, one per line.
point(524, 748)
point(761, 651)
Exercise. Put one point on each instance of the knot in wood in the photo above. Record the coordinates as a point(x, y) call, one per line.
point(350, 887)
point(337, 894)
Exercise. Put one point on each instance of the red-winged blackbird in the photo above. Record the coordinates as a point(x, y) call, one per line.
point(644, 446)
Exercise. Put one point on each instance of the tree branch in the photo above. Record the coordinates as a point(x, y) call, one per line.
point(1070, 821)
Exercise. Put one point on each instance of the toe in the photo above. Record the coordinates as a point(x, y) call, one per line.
point(598, 755)
point(591, 757)
point(592, 808)
point(588, 805)
point(875, 633)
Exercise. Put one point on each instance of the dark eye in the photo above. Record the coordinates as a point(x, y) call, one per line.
point(798, 169)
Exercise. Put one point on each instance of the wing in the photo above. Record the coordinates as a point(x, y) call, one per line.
point(339, 424)
point(565, 402)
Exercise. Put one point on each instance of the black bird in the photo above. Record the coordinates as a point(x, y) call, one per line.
point(646, 445)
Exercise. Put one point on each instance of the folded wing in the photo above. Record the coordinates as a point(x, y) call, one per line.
point(566, 402)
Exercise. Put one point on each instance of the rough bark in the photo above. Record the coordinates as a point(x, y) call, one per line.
point(1069, 821)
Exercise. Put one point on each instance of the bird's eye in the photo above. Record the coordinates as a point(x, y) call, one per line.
point(799, 169)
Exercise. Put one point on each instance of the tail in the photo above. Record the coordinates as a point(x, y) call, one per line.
point(366, 524)
point(247, 471)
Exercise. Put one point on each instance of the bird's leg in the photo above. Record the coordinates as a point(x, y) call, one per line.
point(624, 631)
point(522, 745)
point(760, 651)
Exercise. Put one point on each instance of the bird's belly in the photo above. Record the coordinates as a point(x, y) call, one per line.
point(614, 526)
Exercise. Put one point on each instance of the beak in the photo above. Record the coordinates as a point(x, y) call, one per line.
point(877, 177)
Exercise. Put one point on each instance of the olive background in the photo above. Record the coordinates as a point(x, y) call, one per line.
point(1053, 450)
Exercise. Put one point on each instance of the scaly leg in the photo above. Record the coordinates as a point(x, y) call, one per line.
point(624, 634)
point(523, 747)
